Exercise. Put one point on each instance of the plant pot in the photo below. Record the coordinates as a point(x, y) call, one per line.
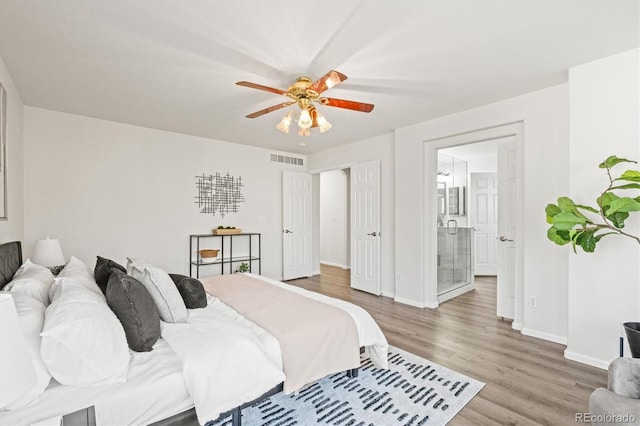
point(632, 329)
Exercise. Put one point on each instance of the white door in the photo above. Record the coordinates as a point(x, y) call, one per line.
point(483, 213)
point(296, 225)
point(365, 227)
point(507, 172)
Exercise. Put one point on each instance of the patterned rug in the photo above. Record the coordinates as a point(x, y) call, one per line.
point(412, 392)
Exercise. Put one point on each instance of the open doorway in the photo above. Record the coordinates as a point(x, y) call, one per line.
point(476, 244)
point(335, 231)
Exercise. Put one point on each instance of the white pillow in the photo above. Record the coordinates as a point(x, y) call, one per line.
point(76, 268)
point(31, 317)
point(83, 342)
point(32, 280)
point(162, 289)
point(82, 275)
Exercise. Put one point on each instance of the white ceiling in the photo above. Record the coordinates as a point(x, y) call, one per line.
point(172, 65)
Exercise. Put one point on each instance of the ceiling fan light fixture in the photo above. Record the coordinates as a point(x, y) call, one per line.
point(305, 93)
point(305, 120)
point(322, 123)
point(285, 123)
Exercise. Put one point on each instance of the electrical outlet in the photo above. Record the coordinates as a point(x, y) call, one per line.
point(533, 302)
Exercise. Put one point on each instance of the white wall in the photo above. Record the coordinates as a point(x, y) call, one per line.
point(12, 229)
point(378, 148)
point(604, 287)
point(116, 190)
point(334, 231)
point(545, 148)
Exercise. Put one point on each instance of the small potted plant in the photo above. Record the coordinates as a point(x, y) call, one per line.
point(244, 267)
point(585, 226)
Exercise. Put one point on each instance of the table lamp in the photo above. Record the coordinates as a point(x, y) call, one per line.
point(17, 375)
point(49, 253)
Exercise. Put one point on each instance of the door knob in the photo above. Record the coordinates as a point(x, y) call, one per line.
point(503, 238)
point(286, 231)
point(373, 234)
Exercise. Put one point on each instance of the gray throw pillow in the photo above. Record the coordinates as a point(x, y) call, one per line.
point(133, 305)
point(191, 290)
point(103, 270)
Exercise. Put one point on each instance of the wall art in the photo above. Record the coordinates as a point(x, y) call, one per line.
point(219, 194)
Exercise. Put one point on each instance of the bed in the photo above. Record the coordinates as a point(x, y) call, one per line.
point(167, 382)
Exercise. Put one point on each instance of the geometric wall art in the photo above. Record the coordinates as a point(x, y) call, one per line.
point(219, 194)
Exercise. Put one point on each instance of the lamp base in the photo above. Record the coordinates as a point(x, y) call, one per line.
point(55, 270)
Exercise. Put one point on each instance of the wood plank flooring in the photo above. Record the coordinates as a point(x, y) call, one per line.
point(528, 381)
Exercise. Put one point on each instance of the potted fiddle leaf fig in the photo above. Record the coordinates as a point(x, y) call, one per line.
point(585, 226)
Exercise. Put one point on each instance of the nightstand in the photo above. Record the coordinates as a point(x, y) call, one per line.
point(84, 417)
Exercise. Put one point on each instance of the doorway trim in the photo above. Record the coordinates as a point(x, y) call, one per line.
point(430, 161)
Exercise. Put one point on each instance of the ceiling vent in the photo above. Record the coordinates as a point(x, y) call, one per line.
point(287, 160)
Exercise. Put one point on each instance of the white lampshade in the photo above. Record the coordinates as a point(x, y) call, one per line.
point(48, 253)
point(17, 375)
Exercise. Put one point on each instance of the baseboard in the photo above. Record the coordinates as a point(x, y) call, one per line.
point(516, 326)
point(390, 294)
point(338, 265)
point(409, 302)
point(455, 293)
point(544, 336)
point(573, 356)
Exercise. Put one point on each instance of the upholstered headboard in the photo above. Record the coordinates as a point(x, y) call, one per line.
point(10, 261)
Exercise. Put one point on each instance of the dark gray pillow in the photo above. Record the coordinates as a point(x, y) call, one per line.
point(136, 310)
point(191, 290)
point(103, 270)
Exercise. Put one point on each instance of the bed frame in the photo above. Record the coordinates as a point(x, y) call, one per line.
point(10, 262)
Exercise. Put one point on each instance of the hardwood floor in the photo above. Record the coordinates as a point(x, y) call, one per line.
point(528, 381)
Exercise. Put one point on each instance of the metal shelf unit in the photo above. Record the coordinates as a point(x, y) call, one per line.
point(226, 258)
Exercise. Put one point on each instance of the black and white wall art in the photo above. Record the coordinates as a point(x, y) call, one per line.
point(219, 194)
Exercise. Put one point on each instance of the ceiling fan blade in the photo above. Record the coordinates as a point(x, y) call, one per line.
point(270, 109)
point(327, 81)
point(341, 103)
point(261, 87)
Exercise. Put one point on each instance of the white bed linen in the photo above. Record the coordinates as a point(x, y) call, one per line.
point(369, 333)
point(154, 390)
point(227, 360)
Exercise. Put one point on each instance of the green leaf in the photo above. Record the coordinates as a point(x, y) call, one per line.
point(567, 205)
point(605, 200)
point(558, 237)
point(588, 208)
point(627, 186)
point(630, 176)
point(587, 241)
point(567, 220)
point(612, 161)
point(624, 204)
point(552, 210)
point(618, 219)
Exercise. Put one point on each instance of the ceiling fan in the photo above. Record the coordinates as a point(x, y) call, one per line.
point(304, 92)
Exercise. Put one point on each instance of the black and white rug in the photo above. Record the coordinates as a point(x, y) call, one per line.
point(412, 392)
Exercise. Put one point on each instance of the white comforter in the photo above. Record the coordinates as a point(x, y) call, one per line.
point(228, 360)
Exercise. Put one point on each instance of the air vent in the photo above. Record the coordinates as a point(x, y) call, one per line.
point(287, 160)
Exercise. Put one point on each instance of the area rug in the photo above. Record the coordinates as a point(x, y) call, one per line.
point(412, 392)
